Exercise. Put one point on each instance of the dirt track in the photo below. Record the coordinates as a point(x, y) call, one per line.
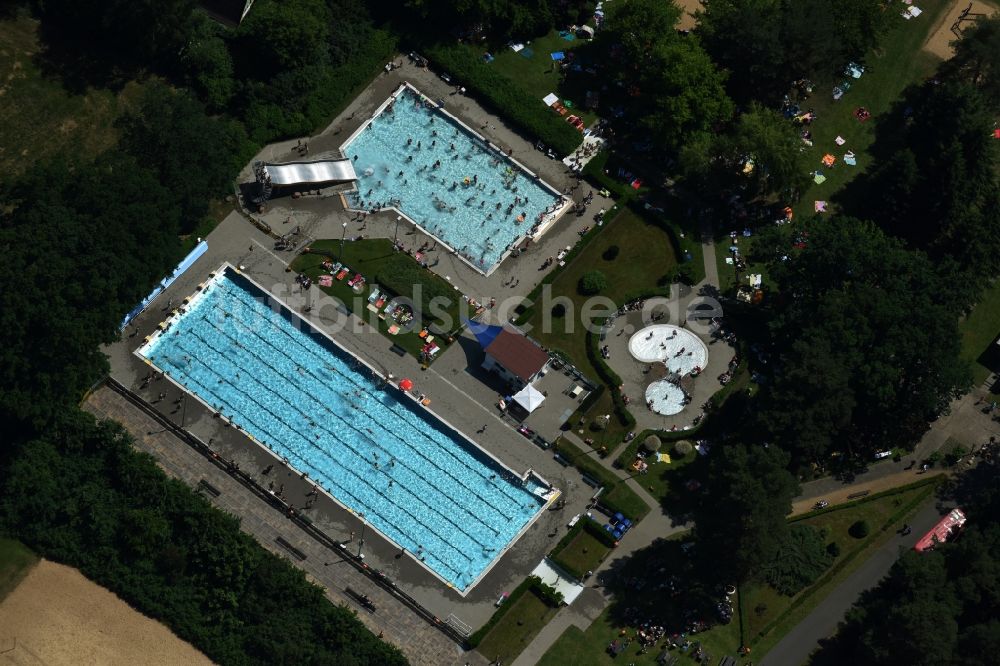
point(56, 616)
point(939, 42)
point(840, 495)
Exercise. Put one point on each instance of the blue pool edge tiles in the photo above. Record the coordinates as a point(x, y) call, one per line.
point(530, 482)
point(564, 203)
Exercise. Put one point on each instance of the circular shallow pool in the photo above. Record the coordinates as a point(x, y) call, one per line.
point(664, 398)
point(678, 348)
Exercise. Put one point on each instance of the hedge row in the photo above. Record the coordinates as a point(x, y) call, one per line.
point(533, 584)
point(506, 97)
point(617, 496)
point(611, 380)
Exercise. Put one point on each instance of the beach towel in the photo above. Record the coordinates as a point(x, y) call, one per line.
point(819, 178)
point(820, 206)
point(526, 52)
point(849, 159)
point(828, 160)
point(325, 280)
point(840, 140)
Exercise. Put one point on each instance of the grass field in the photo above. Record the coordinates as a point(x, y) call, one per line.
point(15, 563)
point(645, 256)
point(582, 553)
point(369, 257)
point(41, 118)
point(979, 330)
point(516, 628)
point(537, 75)
point(899, 63)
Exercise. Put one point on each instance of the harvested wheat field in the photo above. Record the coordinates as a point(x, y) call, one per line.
point(56, 616)
point(939, 42)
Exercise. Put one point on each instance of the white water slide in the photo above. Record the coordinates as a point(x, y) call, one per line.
point(306, 173)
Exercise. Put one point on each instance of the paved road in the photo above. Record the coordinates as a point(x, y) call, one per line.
point(822, 622)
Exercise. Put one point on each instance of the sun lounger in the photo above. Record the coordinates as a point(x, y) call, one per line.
point(325, 280)
point(376, 292)
point(358, 277)
point(342, 273)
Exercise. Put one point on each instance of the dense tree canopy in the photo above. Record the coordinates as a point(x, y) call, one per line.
point(81, 495)
point(141, 34)
point(854, 373)
point(977, 58)
point(767, 44)
point(194, 154)
point(741, 522)
point(82, 245)
point(674, 89)
point(935, 183)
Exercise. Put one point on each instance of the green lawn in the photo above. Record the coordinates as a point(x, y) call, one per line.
point(657, 478)
point(589, 647)
point(645, 256)
point(370, 257)
point(15, 563)
point(41, 118)
point(537, 75)
point(898, 64)
point(519, 625)
point(980, 329)
point(583, 551)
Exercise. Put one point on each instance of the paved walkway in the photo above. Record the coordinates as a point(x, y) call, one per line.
point(419, 641)
point(323, 215)
point(822, 622)
point(656, 525)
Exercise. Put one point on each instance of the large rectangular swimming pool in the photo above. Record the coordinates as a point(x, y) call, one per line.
point(441, 175)
point(378, 452)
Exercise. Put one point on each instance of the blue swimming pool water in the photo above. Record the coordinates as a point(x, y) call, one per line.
point(472, 200)
point(416, 480)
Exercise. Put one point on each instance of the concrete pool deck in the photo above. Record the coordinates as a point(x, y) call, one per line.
point(323, 215)
point(238, 242)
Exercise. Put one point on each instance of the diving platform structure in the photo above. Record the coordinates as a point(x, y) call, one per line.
point(302, 174)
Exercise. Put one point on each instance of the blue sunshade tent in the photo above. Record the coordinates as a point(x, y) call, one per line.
point(485, 333)
point(558, 55)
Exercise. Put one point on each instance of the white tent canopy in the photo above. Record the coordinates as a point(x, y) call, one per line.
point(550, 99)
point(529, 398)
